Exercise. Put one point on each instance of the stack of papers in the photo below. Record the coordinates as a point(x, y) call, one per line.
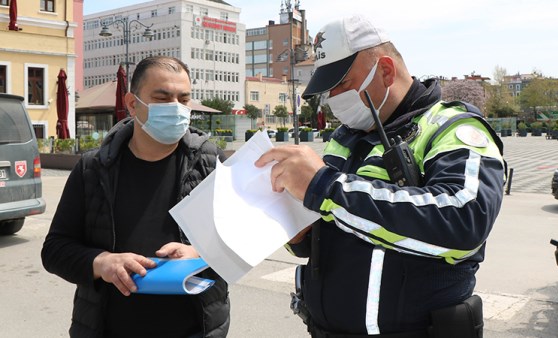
point(234, 219)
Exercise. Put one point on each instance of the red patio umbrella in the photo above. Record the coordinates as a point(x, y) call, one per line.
point(321, 119)
point(13, 16)
point(121, 88)
point(62, 104)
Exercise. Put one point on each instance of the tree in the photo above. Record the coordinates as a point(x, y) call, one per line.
point(252, 112)
point(306, 113)
point(500, 102)
point(499, 74)
point(222, 105)
point(282, 113)
point(464, 90)
point(313, 104)
point(539, 93)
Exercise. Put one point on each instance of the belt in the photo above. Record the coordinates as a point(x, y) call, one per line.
point(319, 333)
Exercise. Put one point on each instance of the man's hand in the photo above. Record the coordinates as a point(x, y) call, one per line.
point(116, 268)
point(177, 250)
point(297, 165)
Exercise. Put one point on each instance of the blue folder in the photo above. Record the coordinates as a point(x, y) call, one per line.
point(174, 277)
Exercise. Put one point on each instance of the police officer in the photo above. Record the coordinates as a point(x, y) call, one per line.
point(390, 259)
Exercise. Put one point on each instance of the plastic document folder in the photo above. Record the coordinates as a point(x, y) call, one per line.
point(174, 277)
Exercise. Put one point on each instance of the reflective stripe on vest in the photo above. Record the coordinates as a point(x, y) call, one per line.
point(446, 141)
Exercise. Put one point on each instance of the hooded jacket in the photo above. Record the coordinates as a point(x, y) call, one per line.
point(69, 249)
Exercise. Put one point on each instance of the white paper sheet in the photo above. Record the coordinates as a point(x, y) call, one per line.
point(234, 219)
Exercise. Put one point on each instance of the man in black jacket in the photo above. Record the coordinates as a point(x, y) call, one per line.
point(390, 258)
point(113, 214)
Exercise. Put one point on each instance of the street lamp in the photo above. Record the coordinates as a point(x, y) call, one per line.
point(126, 26)
point(294, 96)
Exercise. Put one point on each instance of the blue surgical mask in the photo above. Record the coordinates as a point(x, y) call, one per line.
point(166, 122)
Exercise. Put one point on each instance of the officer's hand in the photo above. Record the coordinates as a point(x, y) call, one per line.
point(177, 250)
point(297, 165)
point(116, 268)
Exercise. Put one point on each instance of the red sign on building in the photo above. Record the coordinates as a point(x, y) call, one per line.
point(222, 25)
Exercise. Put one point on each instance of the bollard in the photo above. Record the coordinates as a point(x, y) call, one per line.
point(510, 176)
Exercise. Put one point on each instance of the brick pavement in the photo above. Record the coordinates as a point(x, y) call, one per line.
point(533, 159)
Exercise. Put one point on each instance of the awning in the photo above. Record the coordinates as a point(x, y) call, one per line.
point(101, 98)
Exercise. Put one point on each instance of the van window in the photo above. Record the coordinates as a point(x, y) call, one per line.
point(14, 127)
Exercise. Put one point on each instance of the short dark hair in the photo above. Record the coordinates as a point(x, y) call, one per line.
point(170, 63)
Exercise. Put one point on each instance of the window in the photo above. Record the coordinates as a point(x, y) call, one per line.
point(153, 13)
point(172, 10)
point(3, 79)
point(283, 98)
point(39, 130)
point(204, 11)
point(3, 2)
point(254, 96)
point(225, 16)
point(36, 85)
point(47, 5)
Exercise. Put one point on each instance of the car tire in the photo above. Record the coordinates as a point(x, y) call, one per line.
point(11, 226)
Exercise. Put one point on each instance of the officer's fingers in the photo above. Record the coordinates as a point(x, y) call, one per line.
point(277, 179)
point(275, 154)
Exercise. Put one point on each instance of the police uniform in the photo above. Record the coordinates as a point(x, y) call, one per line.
point(389, 255)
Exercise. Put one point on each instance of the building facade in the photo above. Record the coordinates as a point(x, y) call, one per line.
point(32, 55)
point(516, 83)
point(273, 50)
point(205, 34)
point(266, 93)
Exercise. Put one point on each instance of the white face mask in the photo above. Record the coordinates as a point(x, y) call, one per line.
point(166, 122)
point(349, 108)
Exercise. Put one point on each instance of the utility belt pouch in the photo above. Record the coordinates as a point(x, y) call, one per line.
point(460, 321)
point(297, 299)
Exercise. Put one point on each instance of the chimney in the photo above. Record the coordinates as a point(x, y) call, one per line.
point(271, 23)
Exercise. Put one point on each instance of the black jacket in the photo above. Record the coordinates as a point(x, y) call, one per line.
point(389, 255)
point(83, 227)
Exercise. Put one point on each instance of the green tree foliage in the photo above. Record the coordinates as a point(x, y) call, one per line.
point(252, 111)
point(306, 115)
point(539, 93)
point(312, 110)
point(222, 105)
point(465, 90)
point(313, 103)
point(282, 113)
point(500, 102)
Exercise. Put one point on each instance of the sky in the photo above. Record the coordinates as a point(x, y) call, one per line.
point(436, 37)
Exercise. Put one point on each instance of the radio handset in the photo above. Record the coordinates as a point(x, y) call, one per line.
point(398, 157)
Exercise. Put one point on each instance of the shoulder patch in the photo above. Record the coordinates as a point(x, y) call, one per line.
point(471, 136)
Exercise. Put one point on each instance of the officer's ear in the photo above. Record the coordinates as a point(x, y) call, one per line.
point(387, 69)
